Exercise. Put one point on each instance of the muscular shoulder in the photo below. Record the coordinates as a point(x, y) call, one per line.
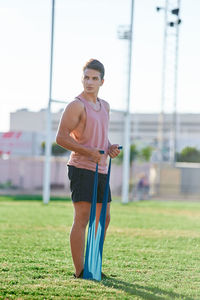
point(75, 106)
point(74, 109)
point(106, 105)
point(71, 116)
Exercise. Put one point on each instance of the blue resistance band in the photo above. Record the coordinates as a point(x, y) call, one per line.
point(94, 248)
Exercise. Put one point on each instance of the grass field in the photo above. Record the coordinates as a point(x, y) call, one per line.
point(152, 249)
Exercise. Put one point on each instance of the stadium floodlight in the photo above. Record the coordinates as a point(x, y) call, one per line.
point(175, 11)
point(123, 32)
point(172, 24)
point(169, 74)
point(158, 8)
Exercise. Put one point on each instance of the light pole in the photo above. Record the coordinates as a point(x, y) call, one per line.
point(161, 115)
point(175, 24)
point(127, 34)
point(47, 166)
point(47, 162)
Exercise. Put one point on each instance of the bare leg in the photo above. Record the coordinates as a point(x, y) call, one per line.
point(98, 213)
point(77, 236)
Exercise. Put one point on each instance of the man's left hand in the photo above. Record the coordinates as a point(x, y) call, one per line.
point(113, 150)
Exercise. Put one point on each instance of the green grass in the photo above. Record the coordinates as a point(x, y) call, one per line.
point(152, 248)
point(32, 197)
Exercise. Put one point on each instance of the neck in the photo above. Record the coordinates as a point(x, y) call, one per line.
point(89, 97)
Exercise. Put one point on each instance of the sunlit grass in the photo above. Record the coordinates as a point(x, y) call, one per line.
point(151, 251)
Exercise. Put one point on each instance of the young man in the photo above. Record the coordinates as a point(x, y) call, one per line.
point(83, 129)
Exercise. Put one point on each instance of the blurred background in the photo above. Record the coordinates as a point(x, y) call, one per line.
point(163, 72)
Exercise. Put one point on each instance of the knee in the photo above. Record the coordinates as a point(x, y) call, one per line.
point(81, 220)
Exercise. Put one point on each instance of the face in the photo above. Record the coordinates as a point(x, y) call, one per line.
point(92, 81)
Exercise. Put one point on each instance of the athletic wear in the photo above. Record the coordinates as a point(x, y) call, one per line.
point(95, 135)
point(82, 183)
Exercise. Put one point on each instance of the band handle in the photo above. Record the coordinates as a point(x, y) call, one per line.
point(102, 151)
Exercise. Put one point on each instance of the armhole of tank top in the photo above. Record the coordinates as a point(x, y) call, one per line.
point(77, 98)
point(85, 108)
point(103, 103)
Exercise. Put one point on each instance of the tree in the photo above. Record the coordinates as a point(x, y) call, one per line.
point(146, 153)
point(56, 150)
point(188, 154)
point(133, 154)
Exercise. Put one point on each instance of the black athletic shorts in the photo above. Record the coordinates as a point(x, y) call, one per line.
point(82, 183)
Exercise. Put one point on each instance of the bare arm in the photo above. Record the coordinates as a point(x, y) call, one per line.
point(69, 121)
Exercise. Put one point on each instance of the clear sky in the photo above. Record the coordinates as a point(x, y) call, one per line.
point(88, 29)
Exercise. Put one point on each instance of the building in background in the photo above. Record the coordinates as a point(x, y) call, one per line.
point(144, 128)
point(22, 143)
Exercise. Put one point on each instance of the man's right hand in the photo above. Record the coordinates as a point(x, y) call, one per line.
point(95, 155)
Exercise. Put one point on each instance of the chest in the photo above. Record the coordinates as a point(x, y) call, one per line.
point(91, 121)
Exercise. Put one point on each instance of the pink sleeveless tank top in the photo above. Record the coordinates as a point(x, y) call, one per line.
point(95, 135)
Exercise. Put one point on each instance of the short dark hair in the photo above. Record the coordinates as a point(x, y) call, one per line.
point(94, 64)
